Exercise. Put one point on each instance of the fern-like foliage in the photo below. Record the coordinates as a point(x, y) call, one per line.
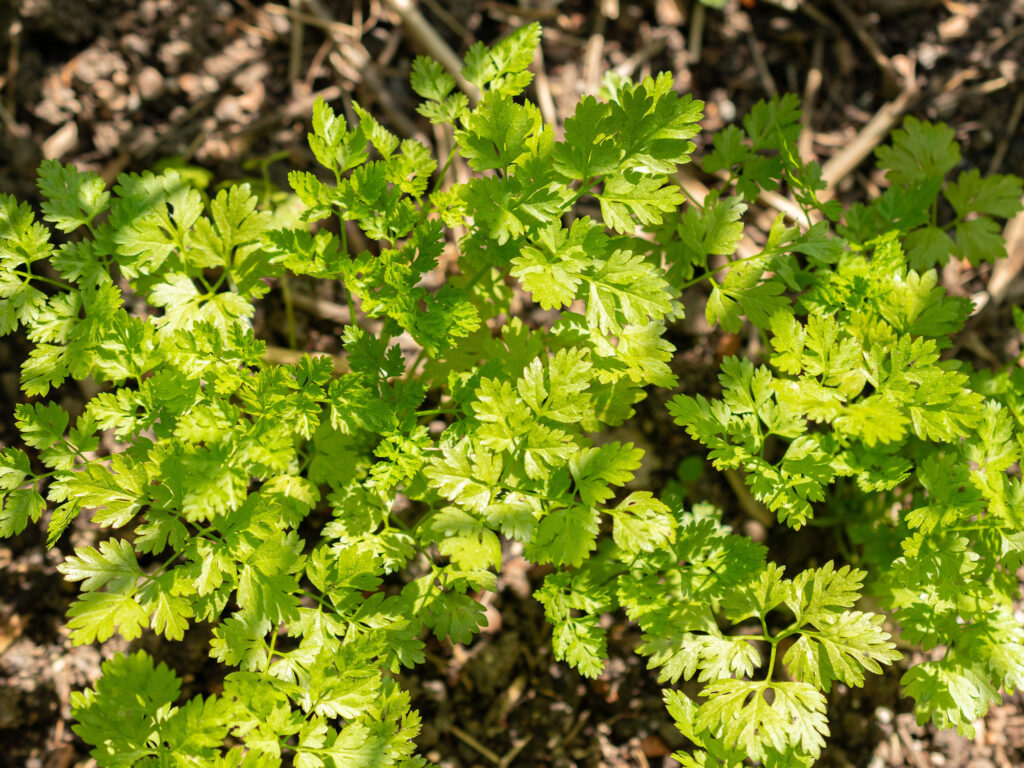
point(311, 516)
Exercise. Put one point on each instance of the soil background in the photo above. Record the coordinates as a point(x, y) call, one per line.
point(224, 88)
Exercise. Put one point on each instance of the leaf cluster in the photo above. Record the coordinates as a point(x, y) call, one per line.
point(322, 519)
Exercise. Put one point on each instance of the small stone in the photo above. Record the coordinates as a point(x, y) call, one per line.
point(61, 141)
point(954, 27)
point(105, 91)
point(150, 82)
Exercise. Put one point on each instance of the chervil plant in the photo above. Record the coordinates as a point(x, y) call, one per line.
point(310, 518)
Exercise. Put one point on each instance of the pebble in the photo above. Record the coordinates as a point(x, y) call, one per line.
point(150, 82)
point(61, 141)
point(954, 27)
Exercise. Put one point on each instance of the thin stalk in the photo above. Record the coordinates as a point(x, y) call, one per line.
point(289, 311)
point(30, 276)
point(716, 270)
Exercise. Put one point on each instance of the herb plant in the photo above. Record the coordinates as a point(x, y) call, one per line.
point(312, 520)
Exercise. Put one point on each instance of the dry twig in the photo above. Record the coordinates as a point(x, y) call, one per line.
point(890, 78)
point(471, 741)
point(295, 50)
point(1006, 271)
point(327, 310)
point(426, 37)
point(752, 508)
point(1003, 146)
point(351, 54)
point(545, 102)
point(757, 56)
point(695, 38)
point(811, 87)
point(642, 56)
point(592, 56)
point(513, 753)
point(863, 144)
point(328, 25)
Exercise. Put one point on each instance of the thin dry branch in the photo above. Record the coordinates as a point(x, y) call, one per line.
point(1003, 145)
point(695, 38)
point(298, 34)
point(1007, 271)
point(863, 144)
point(815, 78)
point(890, 77)
point(592, 56)
point(423, 35)
point(470, 740)
point(328, 25)
point(757, 56)
point(322, 308)
point(642, 56)
point(545, 102)
point(351, 60)
point(752, 508)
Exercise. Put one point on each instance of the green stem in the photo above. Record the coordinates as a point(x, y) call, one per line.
point(28, 275)
point(476, 278)
point(584, 188)
point(415, 363)
point(444, 170)
point(716, 270)
point(289, 311)
point(691, 198)
point(771, 660)
point(271, 647)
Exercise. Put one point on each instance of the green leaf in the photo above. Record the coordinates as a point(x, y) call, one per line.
point(152, 217)
point(949, 693)
point(995, 195)
point(919, 151)
point(41, 425)
point(595, 470)
point(738, 713)
point(625, 290)
point(141, 692)
point(589, 148)
point(560, 394)
point(654, 125)
point(714, 229)
point(429, 79)
point(94, 616)
point(553, 265)
point(113, 565)
point(758, 596)
point(117, 496)
point(642, 524)
point(168, 608)
point(464, 476)
point(841, 647)
point(333, 145)
point(582, 643)
point(496, 133)
point(630, 199)
point(450, 614)
point(502, 67)
point(565, 536)
point(73, 198)
point(17, 508)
